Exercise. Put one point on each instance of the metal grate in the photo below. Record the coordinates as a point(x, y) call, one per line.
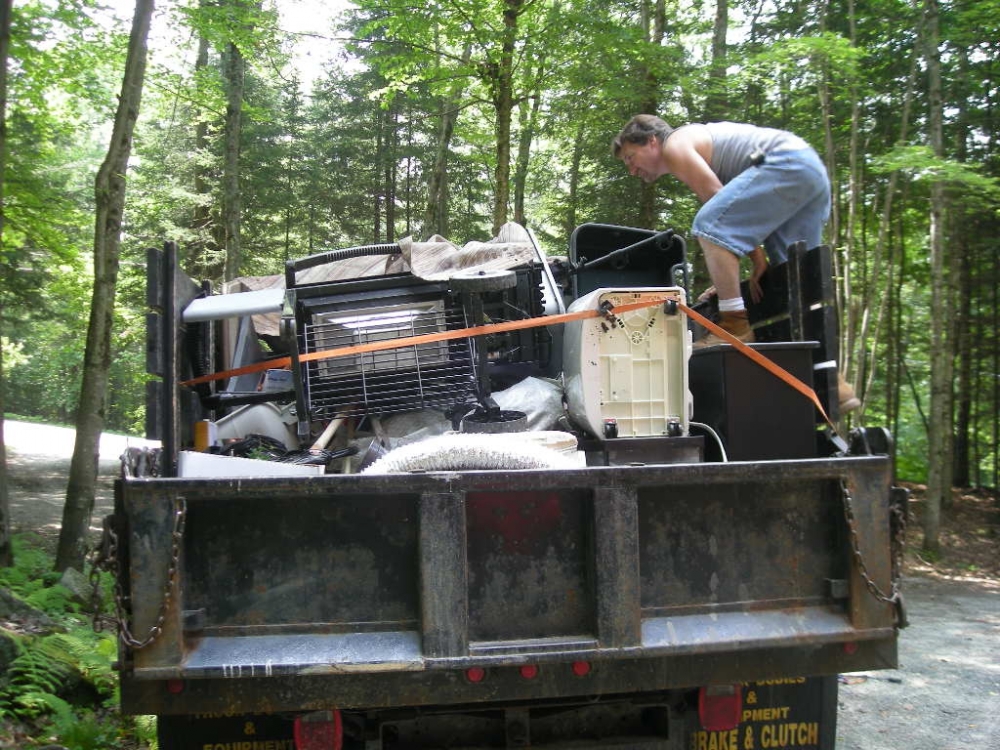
point(437, 374)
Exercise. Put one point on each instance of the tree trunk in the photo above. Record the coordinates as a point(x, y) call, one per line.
point(939, 458)
point(860, 325)
point(231, 199)
point(436, 213)
point(6, 551)
point(996, 368)
point(843, 269)
point(503, 101)
point(526, 133)
point(716, 102)
point(572, 198)
point(850, 335)
point(205, 255)
point(109, 193)
point(378, 126)
point(962, 270)
point(390, 120)
point(963, 384)
point(654, 22)
point(410, 177)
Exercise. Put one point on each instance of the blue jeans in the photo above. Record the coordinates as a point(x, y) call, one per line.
point(779, 202)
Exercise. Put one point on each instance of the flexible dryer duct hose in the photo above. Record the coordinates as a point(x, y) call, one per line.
point(470, 452)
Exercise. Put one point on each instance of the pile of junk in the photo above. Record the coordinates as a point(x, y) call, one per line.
point(429, 356)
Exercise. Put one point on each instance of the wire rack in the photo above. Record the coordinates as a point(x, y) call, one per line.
point(438, 374)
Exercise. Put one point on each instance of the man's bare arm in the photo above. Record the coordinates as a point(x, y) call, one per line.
point(688, 152)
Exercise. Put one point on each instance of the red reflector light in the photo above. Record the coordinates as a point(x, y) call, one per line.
point(719, 707)
point(529, 671)
point(581, 668)
point(851, 648)
point(475, 674)
point(320, 730)
point(175, 687)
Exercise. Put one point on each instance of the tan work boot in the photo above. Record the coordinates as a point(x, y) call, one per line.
point(736, 323)
point(846, 396)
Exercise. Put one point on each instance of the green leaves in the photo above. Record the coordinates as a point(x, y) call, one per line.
point(355, 157)
point(920, 163)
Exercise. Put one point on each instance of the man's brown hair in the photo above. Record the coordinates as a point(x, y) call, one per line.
point(639, 129)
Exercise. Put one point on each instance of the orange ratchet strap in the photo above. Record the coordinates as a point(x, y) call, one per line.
point(518, 325)
point(426, 338)
point(761, 360)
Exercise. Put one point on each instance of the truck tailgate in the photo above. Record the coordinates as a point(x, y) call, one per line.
point(735, 571)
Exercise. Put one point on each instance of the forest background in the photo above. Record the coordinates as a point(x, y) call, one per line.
point(452, 117)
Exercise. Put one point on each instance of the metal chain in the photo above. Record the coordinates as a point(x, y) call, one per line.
point(897, 549)
point(106, 558)
point(102, 558)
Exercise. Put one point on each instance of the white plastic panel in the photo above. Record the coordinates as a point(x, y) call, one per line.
point(631, 368)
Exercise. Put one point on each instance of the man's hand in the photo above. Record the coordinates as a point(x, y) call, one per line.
point(707, 294)
point(759, 261)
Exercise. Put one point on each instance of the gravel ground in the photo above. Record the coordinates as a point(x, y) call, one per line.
point(946, 693)
point(944, 696)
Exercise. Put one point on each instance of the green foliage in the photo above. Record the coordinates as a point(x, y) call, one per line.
point(29, 704)
point(60, 677)
point(911, 462)
point(86, 731)
point(922, 165)
point(63, 70)
point(349, 161)
point(32, 571)
point(33, 681)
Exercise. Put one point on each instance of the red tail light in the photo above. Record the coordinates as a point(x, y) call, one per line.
point(176, 687)
point(529, 671)
point(475, 674)
point(320, 730)
point(720, 707)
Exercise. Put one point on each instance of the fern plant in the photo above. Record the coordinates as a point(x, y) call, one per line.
point(31, 678)
point(43, 681)
point(45, 666)
point(53, 600)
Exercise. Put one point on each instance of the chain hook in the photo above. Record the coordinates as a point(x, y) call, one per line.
point(895, 596)
point(106, 558)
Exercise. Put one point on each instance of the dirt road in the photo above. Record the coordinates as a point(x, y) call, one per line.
point(38, 458)
point(944, 696)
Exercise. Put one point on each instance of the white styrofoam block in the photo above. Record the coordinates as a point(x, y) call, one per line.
point(195, 464)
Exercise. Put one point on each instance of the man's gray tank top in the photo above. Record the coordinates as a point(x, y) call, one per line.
point(733, 144)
